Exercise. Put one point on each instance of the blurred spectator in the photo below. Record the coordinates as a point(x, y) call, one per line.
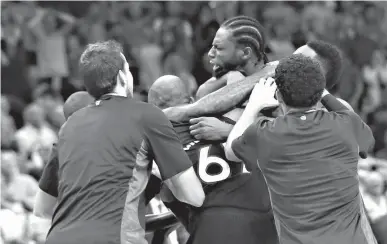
point(35, 133)
point(19, 189)
point(375, 201)
point(375, 78)
point(205, 29)
point(51, 27)
point(281, 21)
point(177, 56)
point(41, 43)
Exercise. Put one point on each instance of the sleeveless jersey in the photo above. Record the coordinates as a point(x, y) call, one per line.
point(233, 188)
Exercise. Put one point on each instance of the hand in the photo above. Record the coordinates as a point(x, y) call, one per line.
point(263, 93)
point(209, 128)
point(175, 113)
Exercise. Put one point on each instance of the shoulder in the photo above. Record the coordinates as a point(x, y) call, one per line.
point(149, 111)
point(345, 115)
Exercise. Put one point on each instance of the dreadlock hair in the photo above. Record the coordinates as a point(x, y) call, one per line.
point(248, 31)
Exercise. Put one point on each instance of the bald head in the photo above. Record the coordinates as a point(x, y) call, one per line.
point(168, 91)
point(76, 102)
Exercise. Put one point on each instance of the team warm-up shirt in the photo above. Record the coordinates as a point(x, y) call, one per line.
point(48, 182)
point(104, 157)
point(309, 161)
point(242, 190)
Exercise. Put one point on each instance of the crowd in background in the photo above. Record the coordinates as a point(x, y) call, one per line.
point(41, 43)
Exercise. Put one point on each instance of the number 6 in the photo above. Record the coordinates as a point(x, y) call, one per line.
point(205, 162)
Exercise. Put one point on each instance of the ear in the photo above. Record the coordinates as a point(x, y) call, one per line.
point(246, 53)
point(121, 78)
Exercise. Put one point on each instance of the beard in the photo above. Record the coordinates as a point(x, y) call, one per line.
point(229, 66)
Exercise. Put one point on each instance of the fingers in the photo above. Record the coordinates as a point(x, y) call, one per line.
point(198, 133)
point(195, 126)
point(267, 81)
point(196, 120)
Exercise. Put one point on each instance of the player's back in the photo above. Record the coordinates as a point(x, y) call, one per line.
point(310, 164)
point(102, 174)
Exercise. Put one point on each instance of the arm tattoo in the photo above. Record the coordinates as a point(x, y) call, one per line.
point(221, 100)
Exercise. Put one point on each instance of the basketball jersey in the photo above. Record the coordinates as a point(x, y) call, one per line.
point(208, 158)
point(228, 188)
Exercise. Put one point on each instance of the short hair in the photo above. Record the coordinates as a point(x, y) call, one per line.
point(75, 102)
point(331, 60)
point(300, 81)
point(248, 31)
point(99, 66)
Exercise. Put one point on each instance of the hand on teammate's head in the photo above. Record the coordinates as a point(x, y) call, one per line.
point(263, 94)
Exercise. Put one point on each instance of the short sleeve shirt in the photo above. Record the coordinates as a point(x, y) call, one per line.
point(105, 155)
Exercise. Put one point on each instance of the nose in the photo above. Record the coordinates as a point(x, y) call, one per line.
point(211, 53)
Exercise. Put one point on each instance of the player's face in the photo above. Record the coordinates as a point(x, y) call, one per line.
point(224, 52)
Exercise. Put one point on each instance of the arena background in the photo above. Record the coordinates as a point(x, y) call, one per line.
point(42, 41)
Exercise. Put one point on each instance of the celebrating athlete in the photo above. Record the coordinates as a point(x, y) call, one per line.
point(234, 93)
point(237, 205)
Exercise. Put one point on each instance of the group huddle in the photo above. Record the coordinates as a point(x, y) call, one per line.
point(262, 153)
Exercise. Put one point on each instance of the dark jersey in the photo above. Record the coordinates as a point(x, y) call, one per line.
point(242, 190)
point(105, 155)
point(309, 161)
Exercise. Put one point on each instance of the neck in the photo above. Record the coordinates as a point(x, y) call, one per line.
point(119, 91)
point(251, 68)
point(287, 109)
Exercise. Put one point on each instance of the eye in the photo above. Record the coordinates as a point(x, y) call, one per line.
point(217, 47)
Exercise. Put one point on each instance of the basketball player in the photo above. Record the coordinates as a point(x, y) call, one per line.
point(237, 205)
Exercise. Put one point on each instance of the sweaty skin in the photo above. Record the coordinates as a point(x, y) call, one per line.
point(222, 100)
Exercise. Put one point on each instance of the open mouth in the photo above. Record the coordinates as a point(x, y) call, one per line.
point(214, 65)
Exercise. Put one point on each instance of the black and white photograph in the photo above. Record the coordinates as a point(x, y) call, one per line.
point(193, 122)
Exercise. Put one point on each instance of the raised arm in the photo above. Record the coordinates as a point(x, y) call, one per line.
point(261, 97)
point(361, 130)
point(221, 100)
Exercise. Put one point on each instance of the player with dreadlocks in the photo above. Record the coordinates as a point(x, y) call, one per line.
point(237, 207)
point(242, 30)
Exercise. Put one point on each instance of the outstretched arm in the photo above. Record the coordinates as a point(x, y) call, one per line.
point(221, 100)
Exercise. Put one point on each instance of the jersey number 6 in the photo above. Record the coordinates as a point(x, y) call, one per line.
point(211, 168)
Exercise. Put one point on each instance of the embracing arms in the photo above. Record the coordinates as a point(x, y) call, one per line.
point(221, 100)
